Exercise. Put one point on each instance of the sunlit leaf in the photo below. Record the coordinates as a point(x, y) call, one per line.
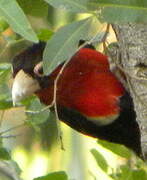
point(102, 163)
point(64, 43)
point(125, 173)
point(116, 148)
point(130, 173)
point(44, 34)
point(61, 175)
point(39, 8)
point(12, 13)
point(139, 174)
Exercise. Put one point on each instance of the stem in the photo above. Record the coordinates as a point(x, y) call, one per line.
point(11, 136)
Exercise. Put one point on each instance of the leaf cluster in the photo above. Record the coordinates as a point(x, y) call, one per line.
point(61, 45)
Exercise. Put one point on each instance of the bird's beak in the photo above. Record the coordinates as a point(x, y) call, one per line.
point(24, 85)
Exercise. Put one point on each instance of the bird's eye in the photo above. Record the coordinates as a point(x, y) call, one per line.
point(38, 69)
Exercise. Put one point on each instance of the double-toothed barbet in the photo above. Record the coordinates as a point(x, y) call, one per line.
point(90, 98)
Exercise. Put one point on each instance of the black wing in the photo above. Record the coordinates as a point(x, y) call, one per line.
point(124, 130)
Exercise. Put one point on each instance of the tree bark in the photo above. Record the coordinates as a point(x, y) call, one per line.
point(132, 53)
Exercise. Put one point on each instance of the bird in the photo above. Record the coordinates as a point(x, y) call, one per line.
point(89, 96)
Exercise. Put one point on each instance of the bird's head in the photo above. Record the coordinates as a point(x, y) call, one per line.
point(28, 72)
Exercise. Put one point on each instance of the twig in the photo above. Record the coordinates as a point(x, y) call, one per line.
point(41, 110)
point(11, 136)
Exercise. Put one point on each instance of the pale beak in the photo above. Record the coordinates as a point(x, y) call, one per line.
point(23, 86)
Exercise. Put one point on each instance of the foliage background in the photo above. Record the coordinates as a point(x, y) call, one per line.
point(29, 141)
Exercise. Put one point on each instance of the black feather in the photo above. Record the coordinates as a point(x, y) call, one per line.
point(124, 130)
point(28, 58)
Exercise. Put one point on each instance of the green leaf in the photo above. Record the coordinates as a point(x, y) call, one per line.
point(116, 148)
point(38, 117)
point(98, 38)
point(117, 11)
point(126, 173)
point(4, 154)
point(4, 66)
point(49, 132)
point(12, 13)
point(45, 123)
point(129, 173)
point(78, 6)
point(102, 163)
point(39, 8)
point(5, 104)
point(44, 34)
point(61, 175)
point(3, 25)
point(64, 43)
point(139, 174)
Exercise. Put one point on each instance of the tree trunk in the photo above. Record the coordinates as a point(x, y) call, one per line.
point(132, 49)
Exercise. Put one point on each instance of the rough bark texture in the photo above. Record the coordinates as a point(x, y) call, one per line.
point(132, 48)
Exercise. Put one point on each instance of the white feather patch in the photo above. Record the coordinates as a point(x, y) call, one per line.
point(23, 86)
